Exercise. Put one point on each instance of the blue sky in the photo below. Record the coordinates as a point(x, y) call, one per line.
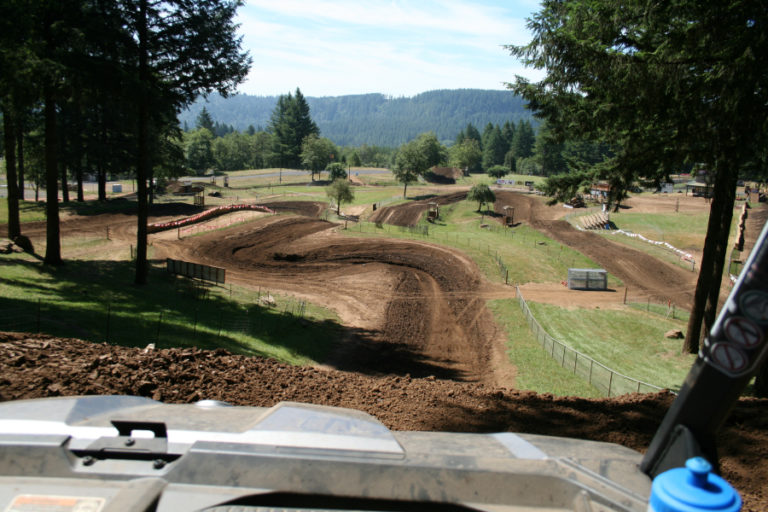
point(398, 48)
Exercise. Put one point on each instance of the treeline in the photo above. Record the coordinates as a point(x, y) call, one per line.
point(374, 119)
point(500, 149)
point(291, 140)
point(95, 87)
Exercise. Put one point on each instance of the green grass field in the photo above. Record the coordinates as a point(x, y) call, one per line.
point(94, 299)
point(630, 341)
point(535, 369)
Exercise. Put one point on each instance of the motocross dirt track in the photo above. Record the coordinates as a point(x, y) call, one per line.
point(424, 354)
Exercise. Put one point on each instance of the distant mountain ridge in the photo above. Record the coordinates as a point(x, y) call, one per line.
point(375, 119)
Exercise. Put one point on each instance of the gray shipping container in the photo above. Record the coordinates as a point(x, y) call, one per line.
point(587, 279)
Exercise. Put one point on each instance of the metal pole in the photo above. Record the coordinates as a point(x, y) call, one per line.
point(610, 384)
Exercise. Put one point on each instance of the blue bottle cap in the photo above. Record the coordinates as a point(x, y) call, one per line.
point(693, 488)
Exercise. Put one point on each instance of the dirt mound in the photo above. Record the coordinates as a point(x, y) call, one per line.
point(528, 208)
point(33, 366)
point(409, 214)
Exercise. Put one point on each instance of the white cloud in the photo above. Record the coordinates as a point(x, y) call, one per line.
point(394, 47)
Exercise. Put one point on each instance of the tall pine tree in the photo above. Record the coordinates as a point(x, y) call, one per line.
point(291, 123)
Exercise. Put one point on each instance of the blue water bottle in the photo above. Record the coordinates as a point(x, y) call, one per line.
point(694, 488)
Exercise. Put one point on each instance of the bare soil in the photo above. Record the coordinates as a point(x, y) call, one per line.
point(33, 366)
point(424, 353)
point(409, 214)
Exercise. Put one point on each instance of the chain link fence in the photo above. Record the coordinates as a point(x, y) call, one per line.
point(606, 380)
point(207, 325)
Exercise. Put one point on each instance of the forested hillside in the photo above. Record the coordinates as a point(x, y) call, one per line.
point(375, 119)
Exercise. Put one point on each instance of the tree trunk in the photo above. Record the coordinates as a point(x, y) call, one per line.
point(79, 178)
point(53, 242)
point(726, 216)
point(64, 185)
point(405, 188)
point(20, 158)
point(101, 173)
point(102, 181)
point(708, 265)
point(761, 381)
point(142, 167)
point(14, 221)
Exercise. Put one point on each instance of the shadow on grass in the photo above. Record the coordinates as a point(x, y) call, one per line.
point(128, 207)
point(96, 301)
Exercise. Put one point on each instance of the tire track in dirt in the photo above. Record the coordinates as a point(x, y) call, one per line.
point(658, 280)
point(409, 214)
point(411, 304)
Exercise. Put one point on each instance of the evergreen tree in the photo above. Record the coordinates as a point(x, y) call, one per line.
point(174, 63)
point(199, 150)
point(494, 148)
point(665, 84)
point(487, 131)
point(472, 133)
point(204, 120)
point(524, 140)
point(508, 133)
point(291, 123)
point(549, 153)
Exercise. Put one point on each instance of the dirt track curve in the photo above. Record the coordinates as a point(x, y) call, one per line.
point(409, 214)
point(637, 270)
point(415, 305)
